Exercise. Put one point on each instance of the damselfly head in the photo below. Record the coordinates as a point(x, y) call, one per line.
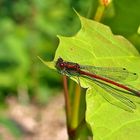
point(60, 64)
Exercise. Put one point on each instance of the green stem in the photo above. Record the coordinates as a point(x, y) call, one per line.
point(75, 109)
point(99, 13)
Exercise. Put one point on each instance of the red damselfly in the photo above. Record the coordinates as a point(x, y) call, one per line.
point(108, 78)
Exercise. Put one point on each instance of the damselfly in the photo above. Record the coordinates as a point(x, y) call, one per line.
point(108, 78)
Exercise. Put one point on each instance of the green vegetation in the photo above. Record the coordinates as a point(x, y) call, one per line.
point(30, 28)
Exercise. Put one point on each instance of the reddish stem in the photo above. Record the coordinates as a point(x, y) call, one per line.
point(67, 100)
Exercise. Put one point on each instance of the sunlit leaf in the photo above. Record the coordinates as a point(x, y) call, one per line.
point(95, 45)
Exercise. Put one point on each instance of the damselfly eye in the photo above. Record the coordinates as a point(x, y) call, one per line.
point(61, 65)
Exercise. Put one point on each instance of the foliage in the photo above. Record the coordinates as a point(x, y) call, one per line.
point(100, 47)
point(29, 29)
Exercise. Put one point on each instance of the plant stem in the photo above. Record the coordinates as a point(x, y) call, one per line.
point(67, 101)
point(75, 109)
point(100, 9)
point(99, 12)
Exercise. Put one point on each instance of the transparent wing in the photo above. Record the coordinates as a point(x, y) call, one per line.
point(115, 97)
point(112, 95)
point(114, 73)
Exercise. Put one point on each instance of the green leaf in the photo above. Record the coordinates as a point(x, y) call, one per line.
point(95, 45)
point(119, 22)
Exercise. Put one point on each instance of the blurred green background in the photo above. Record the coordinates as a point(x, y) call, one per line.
point(29, 29)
